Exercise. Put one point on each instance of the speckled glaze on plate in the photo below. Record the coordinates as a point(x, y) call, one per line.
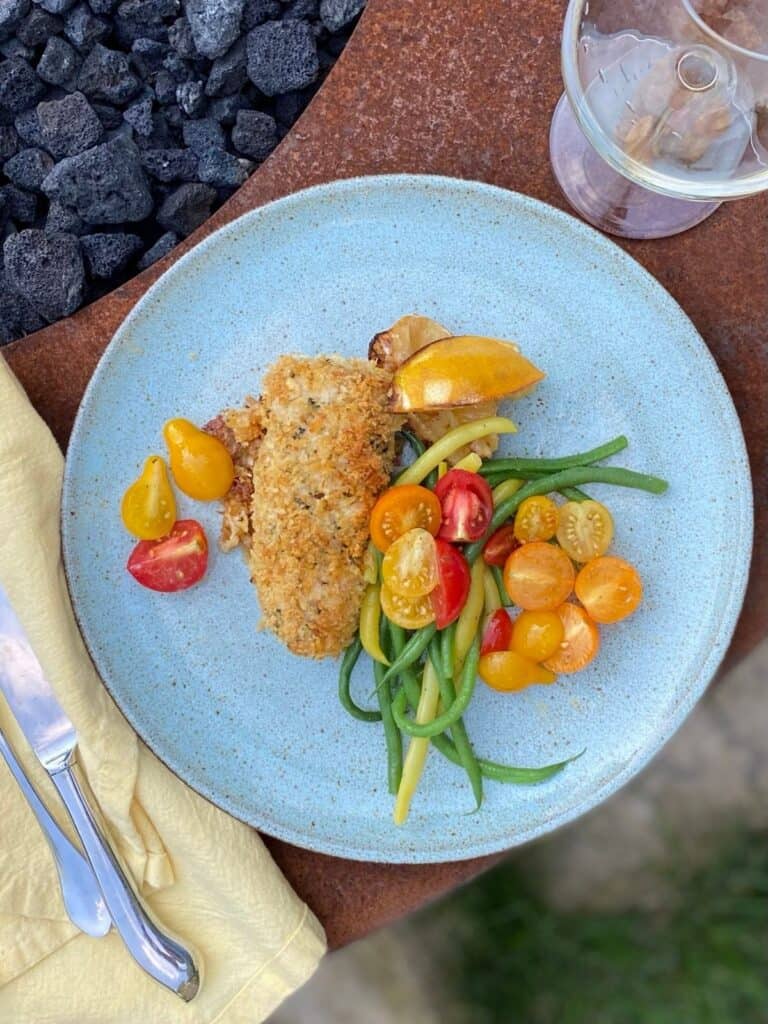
point(260, 731)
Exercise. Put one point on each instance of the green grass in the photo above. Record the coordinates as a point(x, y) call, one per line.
point(702, 961)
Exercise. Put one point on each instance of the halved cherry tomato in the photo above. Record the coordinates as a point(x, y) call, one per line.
point(584, 529)
point(401, 509)
point(454, 579)
point(500, 546)
point(508, 670)
point(537, 635)
point(408, 612)
point(539, 576)
point(497, 634)
point(467, 504)
point(409, 567)
point(148, 509)
point(609, 588)
point(536, 519)
point(176, 562)
point(201, 465)
point(580, 643)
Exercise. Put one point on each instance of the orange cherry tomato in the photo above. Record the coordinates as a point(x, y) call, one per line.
point(409, 567)
point(201, 465)
point(539, 576)
point(609, 588)
point(401, 509)
point(497, 634)
point(536, 519)
point(584, 529)
point(148, 508)
point(500, 546)
point(508, 671)
point(580, 643)
point(537, 635)
point(175, 562)
point(407, 612)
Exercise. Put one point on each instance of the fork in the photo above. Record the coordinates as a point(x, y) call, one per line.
point(79, 889)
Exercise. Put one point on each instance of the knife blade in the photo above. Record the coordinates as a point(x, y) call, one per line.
point(53, 739)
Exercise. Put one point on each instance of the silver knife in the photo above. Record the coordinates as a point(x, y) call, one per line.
point(53, 738)
point(80, 891)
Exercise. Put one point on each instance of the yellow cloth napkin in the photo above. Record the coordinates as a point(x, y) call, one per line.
point(206, 876)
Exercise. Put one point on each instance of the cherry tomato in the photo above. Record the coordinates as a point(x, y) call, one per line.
point(497, 634)
point(508, 670)
point(500, 546)
point(539, 576)
point(176, 562)
point(584, 529)
point(148, 509)
point(201, 465)
point(580, 643)
point(454, 580)
point(609, 588)
point(467, 504)
point(537, 635)
point(409, 568)
point(408, 612)
point(401, 509)
point(536, 519)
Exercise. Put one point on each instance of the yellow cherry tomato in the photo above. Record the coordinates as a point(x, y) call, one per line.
point(409, 567)
point(537, 635)
point(584, 529)
point(536, 519)
point(201, 465)
point(408, 612)
point(148, 509)
point(508, 671)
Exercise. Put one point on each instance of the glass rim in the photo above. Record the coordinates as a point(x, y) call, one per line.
point(615, 156)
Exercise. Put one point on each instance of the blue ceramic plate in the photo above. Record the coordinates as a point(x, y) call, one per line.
point(260, 731)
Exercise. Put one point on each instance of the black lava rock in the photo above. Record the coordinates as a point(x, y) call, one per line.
point(254, 134)
point(139, 117)
point(215, 24)
point(14, 47)
point(335, 14)
point(203, 136)
point(12, 13)
point(21, 205)
point(282, 56)
point(301, 9)
point(180, 38)
point(161, 248)
point(104, 185)
point(190, 96)
point(165, 88)
point(20, 88)
point(28, 129)
point(17, 317)
point(69, 126)
point(9, 142)
point(228, 73)
point(103, 6)
point(170, 164)
point(28, 168)
point(82, 28)
point(147, 56)
point(174, 116)
point(256, 12)
point(61, 218)
point(106, 255)
point(218, 167)
point(38, 27)
point(46, 270)
point(224, 109)
point(106, 75)
point(186, 208)
point(59, 63)
point(56, 6)
point(289, 106)
point(180, 70)
point(150, 12)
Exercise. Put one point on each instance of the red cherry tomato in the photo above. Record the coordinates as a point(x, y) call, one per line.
point(500, 546)
point(453, 584)
point(175, 562)
point(467, 504)
point(497, 635)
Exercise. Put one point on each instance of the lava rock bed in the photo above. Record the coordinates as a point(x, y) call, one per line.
point(125, 123)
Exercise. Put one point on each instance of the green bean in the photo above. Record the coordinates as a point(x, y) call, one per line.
point(458, 729)
point(394, 740)
point(446, 648)
point(567, 478)
point(574, 494)
point(411, 653)
point(451, 714)
point(518, 467)
point(348, 663)
point(498, 575)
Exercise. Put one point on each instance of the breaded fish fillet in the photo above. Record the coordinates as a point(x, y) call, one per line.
point(325, 456)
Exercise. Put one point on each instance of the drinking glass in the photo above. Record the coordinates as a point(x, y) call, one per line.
point(665, 111)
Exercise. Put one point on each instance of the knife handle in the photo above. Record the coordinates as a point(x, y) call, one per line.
point(162, 957)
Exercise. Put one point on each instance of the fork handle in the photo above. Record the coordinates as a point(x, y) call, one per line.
point(160, 955)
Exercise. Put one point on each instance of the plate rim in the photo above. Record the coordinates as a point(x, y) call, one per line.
point(698, 683)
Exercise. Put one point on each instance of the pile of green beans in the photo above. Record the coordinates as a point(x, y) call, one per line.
point(398, 684)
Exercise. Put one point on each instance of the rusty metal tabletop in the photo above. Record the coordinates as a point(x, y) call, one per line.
point(463, 88)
